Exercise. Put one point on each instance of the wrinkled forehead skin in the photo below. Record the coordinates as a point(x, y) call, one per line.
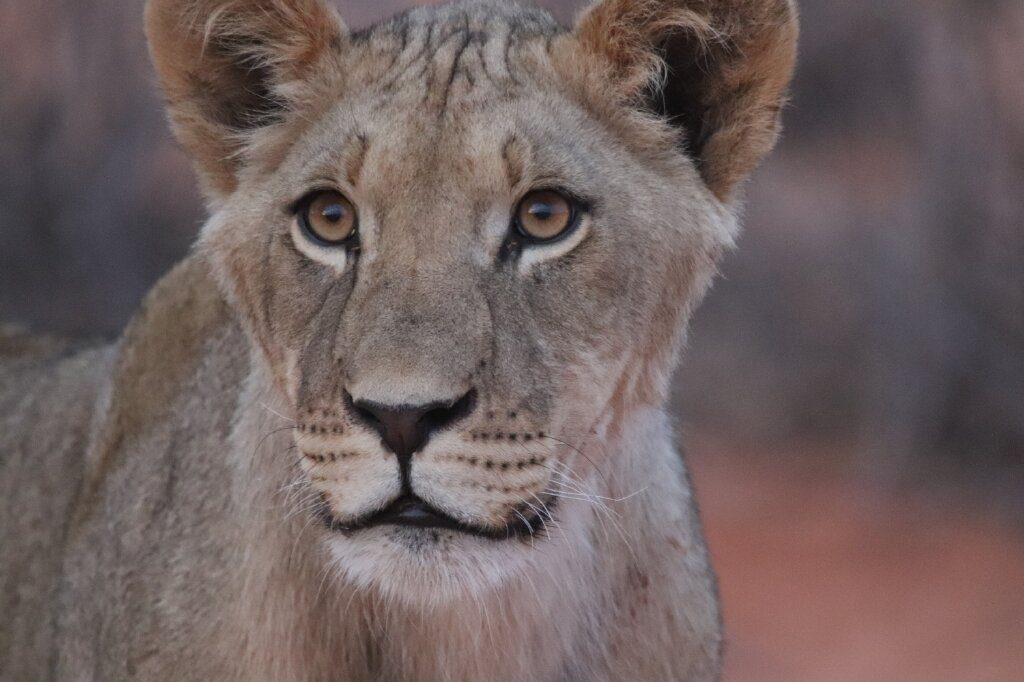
point(442, 121)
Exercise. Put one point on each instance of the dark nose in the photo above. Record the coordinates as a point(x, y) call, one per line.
point(405, 429)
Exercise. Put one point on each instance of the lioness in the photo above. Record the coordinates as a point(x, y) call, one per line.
point(400, 414)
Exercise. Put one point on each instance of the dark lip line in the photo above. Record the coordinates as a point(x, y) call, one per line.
point(525, 527)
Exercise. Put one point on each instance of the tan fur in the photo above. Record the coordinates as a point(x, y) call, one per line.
point(172, 503)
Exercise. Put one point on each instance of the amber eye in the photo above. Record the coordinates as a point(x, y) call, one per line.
point(328, 217)
point(545, 215)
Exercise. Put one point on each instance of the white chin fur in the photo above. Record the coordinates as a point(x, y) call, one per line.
point(334, 257)
point(412, 567)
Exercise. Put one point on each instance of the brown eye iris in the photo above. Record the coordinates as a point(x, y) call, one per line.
point(329, 217)
point(544, 215)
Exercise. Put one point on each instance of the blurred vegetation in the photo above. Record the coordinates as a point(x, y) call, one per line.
point(877, 296)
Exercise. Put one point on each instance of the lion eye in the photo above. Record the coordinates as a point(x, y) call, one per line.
point(328, 217)
point(545, 215)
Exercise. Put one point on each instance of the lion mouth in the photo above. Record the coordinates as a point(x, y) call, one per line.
point(410, 511)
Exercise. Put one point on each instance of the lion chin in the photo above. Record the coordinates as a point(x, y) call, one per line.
point(425, 566)
point(421, 555)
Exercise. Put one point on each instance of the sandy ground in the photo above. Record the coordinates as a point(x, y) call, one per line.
point(827, 579)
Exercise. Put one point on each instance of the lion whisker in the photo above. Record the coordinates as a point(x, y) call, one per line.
point(275, 412)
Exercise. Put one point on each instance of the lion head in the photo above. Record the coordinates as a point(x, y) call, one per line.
point(465, 243)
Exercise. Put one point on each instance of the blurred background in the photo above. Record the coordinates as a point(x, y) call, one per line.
point(853, 397)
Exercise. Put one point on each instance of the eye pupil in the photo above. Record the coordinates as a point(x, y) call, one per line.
point(333, 212)
point(542, 211)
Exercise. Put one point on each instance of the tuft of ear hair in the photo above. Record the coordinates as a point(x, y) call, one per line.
point(229, 68)
point(717, 69)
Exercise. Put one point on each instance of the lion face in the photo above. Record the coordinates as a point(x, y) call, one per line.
point(463, 255)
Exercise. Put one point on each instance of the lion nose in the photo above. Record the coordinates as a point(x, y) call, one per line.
point(405, 429)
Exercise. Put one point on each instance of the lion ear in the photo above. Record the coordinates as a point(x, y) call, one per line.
point(231, 67)
point(719, 69)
